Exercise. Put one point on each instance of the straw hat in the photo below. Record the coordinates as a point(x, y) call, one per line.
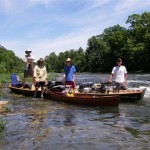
point(40, 60)
point(68, 59)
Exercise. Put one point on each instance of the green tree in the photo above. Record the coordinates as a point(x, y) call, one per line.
point(51, 62)
point(115, 37)
point(140, 35)
point(96, 54)
point(9, 62)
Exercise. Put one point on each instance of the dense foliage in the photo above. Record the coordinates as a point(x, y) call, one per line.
point(132, 44)
point(9, 62)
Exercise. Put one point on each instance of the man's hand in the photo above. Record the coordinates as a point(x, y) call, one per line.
point(110, 80)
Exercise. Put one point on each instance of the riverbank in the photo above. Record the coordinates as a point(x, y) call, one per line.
point(6, 78)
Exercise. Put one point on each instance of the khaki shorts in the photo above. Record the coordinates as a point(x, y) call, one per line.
point(28, 73)
point(121, 86)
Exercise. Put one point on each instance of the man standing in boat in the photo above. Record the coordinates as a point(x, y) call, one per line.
point(28, 61)
point(69, 71)
point(119, 73)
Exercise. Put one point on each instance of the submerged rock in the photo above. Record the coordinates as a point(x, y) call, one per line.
point(3, 105)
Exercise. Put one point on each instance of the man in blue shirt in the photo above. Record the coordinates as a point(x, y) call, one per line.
point(69, 71)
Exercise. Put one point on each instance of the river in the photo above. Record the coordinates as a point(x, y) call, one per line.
point(49, 125)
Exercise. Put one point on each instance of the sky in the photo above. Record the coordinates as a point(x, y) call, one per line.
point(47, 26)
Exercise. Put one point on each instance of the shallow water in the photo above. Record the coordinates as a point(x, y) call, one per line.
point(45, 124)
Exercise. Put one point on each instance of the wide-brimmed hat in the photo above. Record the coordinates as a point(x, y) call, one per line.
point(41, 60)
point(28, 50)
point(68, 59)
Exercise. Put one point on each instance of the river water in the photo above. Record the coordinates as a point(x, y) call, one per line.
point(49, 125)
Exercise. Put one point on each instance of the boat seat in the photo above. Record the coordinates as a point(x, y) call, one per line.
point(14, 81)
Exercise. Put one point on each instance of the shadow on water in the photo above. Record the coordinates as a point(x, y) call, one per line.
point(45, 124)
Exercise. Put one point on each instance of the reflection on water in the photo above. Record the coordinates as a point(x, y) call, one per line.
point(45, 124)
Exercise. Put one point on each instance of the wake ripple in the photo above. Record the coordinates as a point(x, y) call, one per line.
point(138, 83)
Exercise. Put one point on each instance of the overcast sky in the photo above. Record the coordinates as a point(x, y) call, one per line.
point(47, 26)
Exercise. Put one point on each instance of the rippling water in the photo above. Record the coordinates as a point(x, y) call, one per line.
point(45, 124)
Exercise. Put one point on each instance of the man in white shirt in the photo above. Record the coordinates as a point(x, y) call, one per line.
point(119, 73)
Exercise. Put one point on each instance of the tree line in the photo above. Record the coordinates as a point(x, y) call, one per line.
point(9, 62)
point(132, 44)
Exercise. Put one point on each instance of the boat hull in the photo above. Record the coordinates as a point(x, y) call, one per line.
point(126, 95)
point(84, 99)
point(23, 91)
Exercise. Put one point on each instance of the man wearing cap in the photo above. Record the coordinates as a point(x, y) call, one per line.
point(28, 60)
point(69, 71)
point(40, 77)
point(119, 73)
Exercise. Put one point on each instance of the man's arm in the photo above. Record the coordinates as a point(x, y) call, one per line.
point(73, 77)
point(110, 78)
point(126, 77)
